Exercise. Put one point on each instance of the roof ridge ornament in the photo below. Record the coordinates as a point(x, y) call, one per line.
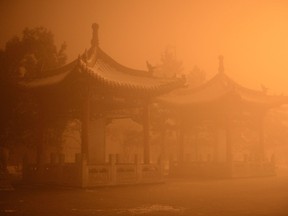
point(95, 38)
point(150, 67)
point(221, 64)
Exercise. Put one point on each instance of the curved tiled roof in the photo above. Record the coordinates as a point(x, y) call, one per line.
point(106, 71)
point(109, 72)
point(53, 77)
point(219, 88)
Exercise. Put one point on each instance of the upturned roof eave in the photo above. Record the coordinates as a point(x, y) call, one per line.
point(201, 95)
point(126, 78)
point(53, 77)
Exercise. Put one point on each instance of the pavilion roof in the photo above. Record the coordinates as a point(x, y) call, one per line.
point(218, 89)
point(103, 69)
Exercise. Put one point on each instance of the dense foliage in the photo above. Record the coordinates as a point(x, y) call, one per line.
point(24, 57)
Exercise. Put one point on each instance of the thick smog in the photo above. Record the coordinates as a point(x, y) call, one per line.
point(158, 107)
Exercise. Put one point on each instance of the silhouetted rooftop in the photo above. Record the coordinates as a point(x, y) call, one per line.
point(219, 88)
point(106, 71)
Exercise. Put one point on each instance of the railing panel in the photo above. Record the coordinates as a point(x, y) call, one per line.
point(99, 175)
point(126, 173)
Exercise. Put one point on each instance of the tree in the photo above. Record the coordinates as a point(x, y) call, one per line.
point(28, 56)
point(170, 66)
point(195, 77)
point(162, 118)
point(32, 54)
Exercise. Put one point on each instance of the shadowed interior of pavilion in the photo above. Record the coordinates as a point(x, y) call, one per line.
point(221, 111)
point(95, 89)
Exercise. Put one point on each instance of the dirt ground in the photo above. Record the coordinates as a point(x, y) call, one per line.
point(236, 197)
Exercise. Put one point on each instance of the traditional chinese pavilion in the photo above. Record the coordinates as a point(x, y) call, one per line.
point(221, 130)
point(95, 88)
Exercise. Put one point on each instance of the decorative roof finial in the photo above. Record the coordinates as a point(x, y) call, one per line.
point(221, 64)
point(95, 41)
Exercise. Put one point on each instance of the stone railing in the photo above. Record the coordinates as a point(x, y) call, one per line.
point(81, 174)
point(253, 169)
point(68, 174)
point(210, 169)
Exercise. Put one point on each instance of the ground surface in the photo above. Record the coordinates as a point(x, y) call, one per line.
point(238, 197)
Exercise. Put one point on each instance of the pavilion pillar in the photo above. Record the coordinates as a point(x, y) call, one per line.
point(146, 128)
point(221, 134)
point(85, 127)
point(40, 154)
point(97, 139)
point(181, 144)
point(163, 146)
point(197, 156)
point(259, 151)
point(229, 144)
point(229, 155)
point(261, 140)
point(220, 145)
point(216, 145)
point(40, 151)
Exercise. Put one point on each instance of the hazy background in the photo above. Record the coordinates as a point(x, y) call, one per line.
point(251, 34)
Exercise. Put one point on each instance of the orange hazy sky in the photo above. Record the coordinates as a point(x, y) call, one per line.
point(251, 34)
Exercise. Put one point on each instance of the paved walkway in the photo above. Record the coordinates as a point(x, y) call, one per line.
point(238, 197)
